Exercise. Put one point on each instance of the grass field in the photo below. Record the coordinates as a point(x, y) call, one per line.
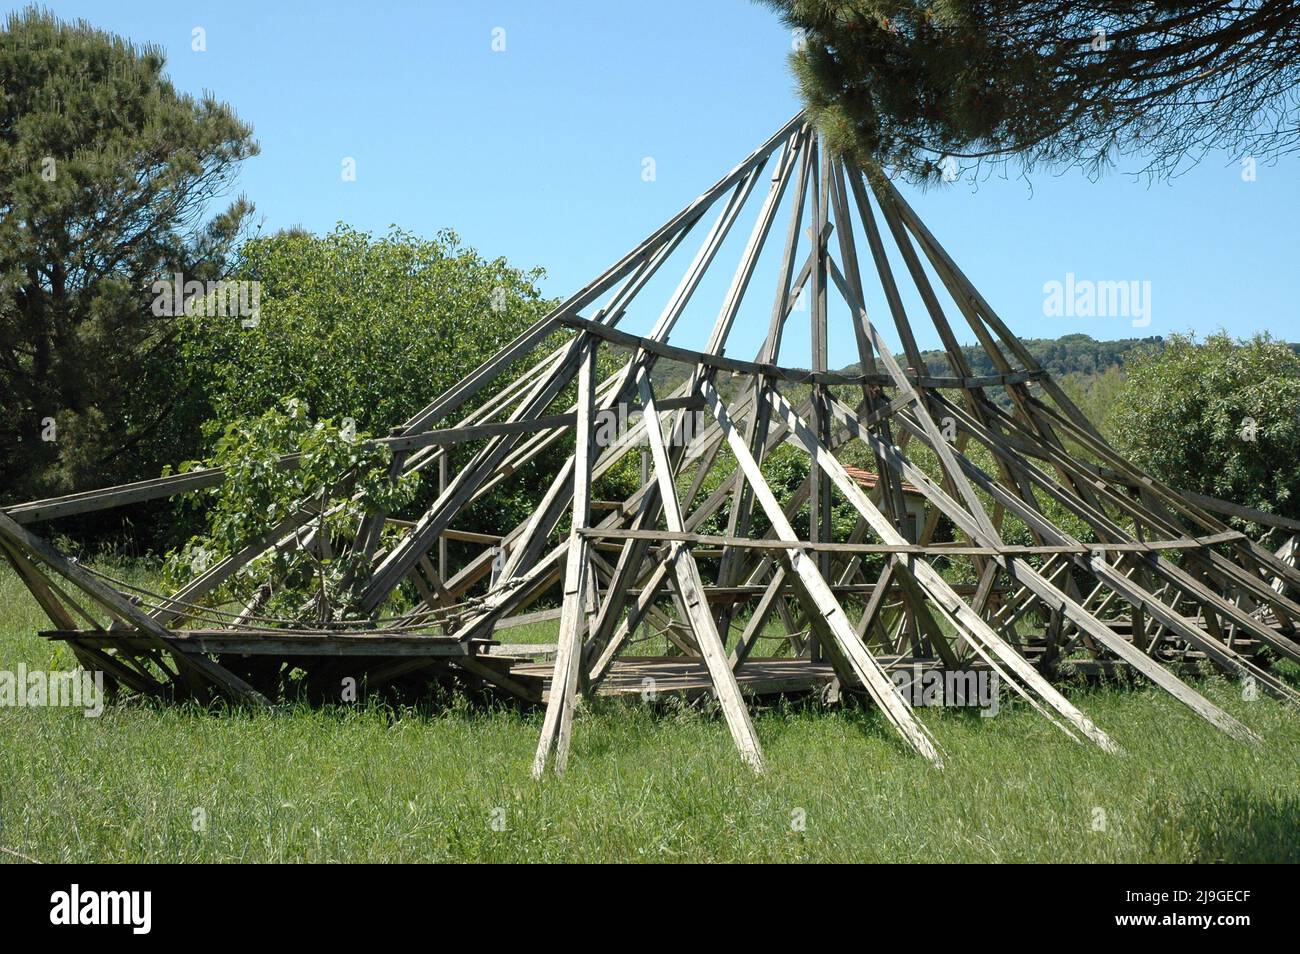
point(378, 785)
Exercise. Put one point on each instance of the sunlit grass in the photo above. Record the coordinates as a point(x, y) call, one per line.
point(453, 784)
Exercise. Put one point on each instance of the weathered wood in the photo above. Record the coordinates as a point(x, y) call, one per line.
point(690, 589)
point(273, 642)
point(1024, 573)
point(934, 549)
point(1161, 566)
point(55, 604)
point(682, 221)
point(114, 602)
point(558, 724)
point(982, 637)
point(863, 667)
point(794, 375)
point(1133, 593)
point(404, 555)
point(1195, 589)
point(1229, 509)
point(609, 635)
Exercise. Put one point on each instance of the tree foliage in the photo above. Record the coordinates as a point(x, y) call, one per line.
point(1220, 417)
point(372, 328)
point(931, 86)
point(106, 176)
point(340, 475)
point(1095, 393)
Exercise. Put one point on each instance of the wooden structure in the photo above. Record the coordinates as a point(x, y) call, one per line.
point(1161, 580)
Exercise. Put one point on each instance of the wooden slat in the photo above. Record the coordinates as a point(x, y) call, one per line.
point(690, 588)
point(982, 636)
point(797, 375)
point(114, 602)
point(274, 644)
point(935, 549)
point(557, 727)
point(863, 666)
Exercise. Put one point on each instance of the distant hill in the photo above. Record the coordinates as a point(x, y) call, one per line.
point(1090, 370)
point(1070, 354)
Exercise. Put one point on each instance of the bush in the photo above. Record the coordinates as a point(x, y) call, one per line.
point(1220, 418)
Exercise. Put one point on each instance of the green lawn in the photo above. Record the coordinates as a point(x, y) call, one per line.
point(373, 785)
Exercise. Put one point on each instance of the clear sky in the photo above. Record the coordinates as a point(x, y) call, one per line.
point(535, 152)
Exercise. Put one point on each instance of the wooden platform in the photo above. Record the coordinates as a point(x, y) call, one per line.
point(525, 671)
point(283, 642)
point(642, 676)
point(638, 676)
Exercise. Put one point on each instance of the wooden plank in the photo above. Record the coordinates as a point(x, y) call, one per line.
point(1024, 573)
point(557, 726)
point(121, 495)
point(608, 632)
point(39, 587)
point(113, 601)
point(402, 557)
point(940, 446)
point(864, 667)
point(203, 642)
point(1223, 656)
point(498, 677)
point(1129, 653)
point(528, 619)
point(51, 600)
point(690, 588)
point(1163, 567)
point(548, 512)
point(796, 375)
point(740, 514)
point(680, 222)
point(982, 637)
point(934, 549)
point(1229, 509)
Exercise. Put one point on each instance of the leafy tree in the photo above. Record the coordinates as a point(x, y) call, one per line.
point(912, 83)
point(1221, 418)
point(106, 174)
point(339, 473)
point(362, 327)
point(355, 326)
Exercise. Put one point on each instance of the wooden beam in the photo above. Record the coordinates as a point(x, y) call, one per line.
point(815, 589)
point(690, 589)
point(558, 724)
point(982, 637)
point(114, 602)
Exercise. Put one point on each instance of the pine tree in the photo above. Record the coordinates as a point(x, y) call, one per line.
point(105, 175)
point(935, 88)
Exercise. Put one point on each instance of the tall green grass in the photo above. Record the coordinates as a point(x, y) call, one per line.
point(452, 784)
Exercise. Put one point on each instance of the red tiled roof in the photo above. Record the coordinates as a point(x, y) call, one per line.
point(868, 480)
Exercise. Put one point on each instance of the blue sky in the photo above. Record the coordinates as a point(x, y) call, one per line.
point(535, 153)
